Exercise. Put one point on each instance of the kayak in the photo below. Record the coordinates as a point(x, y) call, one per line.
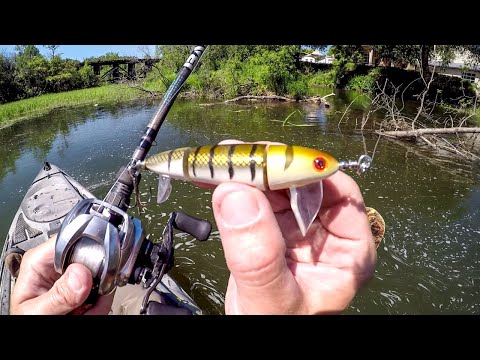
point(50, 197)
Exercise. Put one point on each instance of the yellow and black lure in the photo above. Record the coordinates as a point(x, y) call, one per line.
point(264, 166)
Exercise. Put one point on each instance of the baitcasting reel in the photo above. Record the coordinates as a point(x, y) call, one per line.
point(113, 246)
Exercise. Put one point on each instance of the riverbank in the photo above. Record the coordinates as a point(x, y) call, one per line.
point(16, 111)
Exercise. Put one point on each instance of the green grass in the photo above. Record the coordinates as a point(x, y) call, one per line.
point(25, 109)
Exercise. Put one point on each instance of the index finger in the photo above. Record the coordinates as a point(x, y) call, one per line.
point(343, 208)
point(42, 256)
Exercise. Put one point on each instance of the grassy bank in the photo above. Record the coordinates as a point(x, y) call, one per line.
point(40, 105)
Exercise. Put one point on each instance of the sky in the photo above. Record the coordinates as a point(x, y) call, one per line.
point(80, 52)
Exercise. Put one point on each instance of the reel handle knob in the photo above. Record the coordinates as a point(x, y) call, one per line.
point(198, 228)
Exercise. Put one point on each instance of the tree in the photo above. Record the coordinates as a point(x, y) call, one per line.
point(64, 75)
point(347, 57)
point(417, 55)
point(31, 74)
point(27, 51)
point(31, 69)
point(421, 55)
point(399, 54)
point(173, 56)
point(318, 47)
point(52, 48)
point(106, 56)
point(8, 86)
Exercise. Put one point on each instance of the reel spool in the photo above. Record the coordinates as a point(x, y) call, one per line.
point(88, 236)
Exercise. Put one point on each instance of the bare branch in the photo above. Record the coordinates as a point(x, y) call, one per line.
point(338, 125)
point(423, 95)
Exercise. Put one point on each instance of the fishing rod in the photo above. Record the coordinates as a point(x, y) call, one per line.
point(112, 244)
point(127, 179)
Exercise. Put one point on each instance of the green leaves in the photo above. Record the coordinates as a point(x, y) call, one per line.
point(233, 70)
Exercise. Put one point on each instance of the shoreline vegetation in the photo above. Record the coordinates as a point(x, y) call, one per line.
point(13, 112)
point(31, 85)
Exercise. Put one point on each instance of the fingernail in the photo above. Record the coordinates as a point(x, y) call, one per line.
point(73, 281)
point(239, 208)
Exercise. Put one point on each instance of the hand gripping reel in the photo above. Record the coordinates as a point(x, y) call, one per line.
point(118, 254)
point(88, 237)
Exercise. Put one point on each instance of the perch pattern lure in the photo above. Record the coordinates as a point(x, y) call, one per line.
point(264, 166)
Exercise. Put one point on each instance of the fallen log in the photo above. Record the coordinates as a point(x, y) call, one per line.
point(259, 97)
point(429, 131)
point(317, 99)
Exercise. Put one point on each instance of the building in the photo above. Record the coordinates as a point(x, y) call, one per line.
point(327, 60)
point(372, 58)
point(317, 58)
point(462, 66)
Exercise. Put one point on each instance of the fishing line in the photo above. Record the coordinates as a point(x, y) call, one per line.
point(375, 148)
point(115, 183)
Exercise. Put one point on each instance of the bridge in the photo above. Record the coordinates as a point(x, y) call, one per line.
point(123, 68)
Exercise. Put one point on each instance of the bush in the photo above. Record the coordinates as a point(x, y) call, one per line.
point(323, 78)
point(452, 90)
point(344, 73)
point(298, 88)
point(444, 89)
point(364, 83)
point(9, 89)
point(89, 79)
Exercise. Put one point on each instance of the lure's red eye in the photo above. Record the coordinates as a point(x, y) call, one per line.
point(320, 163)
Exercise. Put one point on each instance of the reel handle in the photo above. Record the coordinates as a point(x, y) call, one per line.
point(198, 228)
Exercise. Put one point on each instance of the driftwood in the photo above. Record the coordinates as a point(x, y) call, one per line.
point(435, 141)
point(253, 97)
point(250, 97)
point(317, 99)
point(429, 131)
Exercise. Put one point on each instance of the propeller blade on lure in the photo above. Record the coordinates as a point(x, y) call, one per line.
point(264, 166)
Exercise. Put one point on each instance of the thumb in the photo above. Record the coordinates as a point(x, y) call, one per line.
point(68, 292)
point(254, 250)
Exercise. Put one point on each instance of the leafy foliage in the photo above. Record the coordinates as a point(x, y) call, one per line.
point(444, 89)
point(364, 83)
point(232, 70)
point(52, 48)
point(9, 88)
point(349, 72)
point(27, 73)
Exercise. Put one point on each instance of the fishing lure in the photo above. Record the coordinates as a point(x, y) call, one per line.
point(264, 166)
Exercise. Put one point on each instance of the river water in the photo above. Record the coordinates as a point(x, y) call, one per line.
point(428, 262)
